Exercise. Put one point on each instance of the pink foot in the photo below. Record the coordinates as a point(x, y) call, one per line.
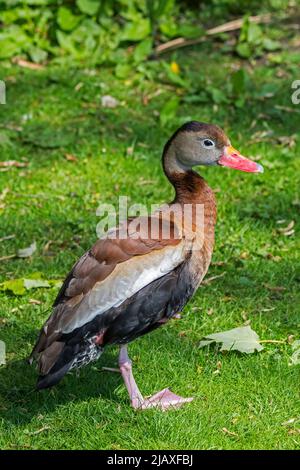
point(164, 399)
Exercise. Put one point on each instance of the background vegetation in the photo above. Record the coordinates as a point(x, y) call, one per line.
point(91, 99)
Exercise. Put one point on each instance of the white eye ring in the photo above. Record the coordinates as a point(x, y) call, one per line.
point(207, 143)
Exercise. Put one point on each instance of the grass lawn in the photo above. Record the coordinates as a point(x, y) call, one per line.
point(241, 401)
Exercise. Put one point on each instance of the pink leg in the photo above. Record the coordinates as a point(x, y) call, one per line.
point(163, 399)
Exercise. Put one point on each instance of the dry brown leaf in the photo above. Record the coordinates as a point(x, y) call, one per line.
point(35, 302)
point(230, 433)
point(10, 163)
point(275, 288)
point(70, 157)
point(294, 431)
point(26, 64)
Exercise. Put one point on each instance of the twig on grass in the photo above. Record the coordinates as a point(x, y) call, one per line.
point(223, 28)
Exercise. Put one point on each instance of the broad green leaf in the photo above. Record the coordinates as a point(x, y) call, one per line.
point(271, 45)
point(142, 50)
point(90, 7)
point(123, 70)
point(2, 353)
point(190, 31)
point(218, 96)
point(136, 31)
point(26, 252)
point(66, 19)
point(242, 339)
point(8, 48)
point(37, 55)
point(254, 33)
point(169, 28)
point(243, 49)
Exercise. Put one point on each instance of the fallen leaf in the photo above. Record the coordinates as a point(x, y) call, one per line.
point(11, 163)
point(275, 288)
point(287, 231)
point(7, 237)
point(70, 157)
point(19, 286)
point(28, 251)
point(108, 101)
point(35, 283)
point(242, 339)
point(4, 258)
point(230, 433)
point(295, 358)
point(2, 353)
point(26, 64)
point(289, 421)
point(35, 302)
point(16, 286)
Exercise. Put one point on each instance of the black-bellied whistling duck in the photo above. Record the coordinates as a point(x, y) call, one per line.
point(126, 286)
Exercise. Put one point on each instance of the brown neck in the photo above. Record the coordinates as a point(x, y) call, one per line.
point(189, 186)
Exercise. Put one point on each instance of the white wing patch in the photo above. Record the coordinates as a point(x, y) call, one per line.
point(126, 280)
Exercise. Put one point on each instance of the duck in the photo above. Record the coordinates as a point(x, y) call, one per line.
point(142, 273)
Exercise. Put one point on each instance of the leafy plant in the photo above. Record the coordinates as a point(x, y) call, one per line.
point(253, 41)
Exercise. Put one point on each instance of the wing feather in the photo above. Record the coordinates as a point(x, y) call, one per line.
point(111, 272)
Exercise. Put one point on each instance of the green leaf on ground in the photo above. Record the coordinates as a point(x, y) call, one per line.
point(242, 339)
point(19, 286)
point(16, 286)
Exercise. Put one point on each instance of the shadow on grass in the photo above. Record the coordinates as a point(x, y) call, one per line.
point(21, 401)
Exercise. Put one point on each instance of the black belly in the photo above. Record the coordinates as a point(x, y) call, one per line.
point(143, 312)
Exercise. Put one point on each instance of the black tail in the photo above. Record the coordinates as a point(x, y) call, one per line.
point(72, 356)
point(53, 377)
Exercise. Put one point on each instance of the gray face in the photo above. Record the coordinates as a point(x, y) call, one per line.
point(195, 148)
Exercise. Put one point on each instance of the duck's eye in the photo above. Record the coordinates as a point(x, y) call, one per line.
point(207, 143)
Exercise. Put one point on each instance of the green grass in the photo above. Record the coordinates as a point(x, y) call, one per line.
point(54, 199)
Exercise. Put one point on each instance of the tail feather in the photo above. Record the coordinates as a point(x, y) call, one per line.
point(67, 357)
point(52, 378)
